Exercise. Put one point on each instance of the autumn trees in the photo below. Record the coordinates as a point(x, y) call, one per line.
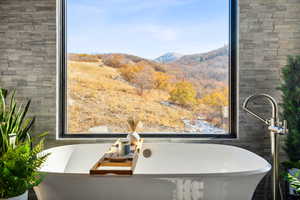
point(183, 93)
point(113, 60)
point(216, 102)
point(202, 97)
point(128, 71)
point(143, 79)
point(216, 98)
point(144, 76)
point(162, 80)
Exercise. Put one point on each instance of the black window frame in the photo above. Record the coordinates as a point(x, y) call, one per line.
point(62, 87)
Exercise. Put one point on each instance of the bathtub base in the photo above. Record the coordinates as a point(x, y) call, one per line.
point(78, 187)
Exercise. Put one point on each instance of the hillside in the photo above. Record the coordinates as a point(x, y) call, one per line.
point(207, 71)
point(99, 96)
point(210, 66)
point(185, 95)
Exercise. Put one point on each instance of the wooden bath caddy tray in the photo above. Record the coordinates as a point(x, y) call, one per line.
point(112, 163)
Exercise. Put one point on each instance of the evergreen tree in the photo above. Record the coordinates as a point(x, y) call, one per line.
point(290, 88)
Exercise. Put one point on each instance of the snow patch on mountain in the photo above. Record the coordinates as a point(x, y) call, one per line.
point(168, 57)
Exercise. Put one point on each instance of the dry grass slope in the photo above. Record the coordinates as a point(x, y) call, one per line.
point(99, 96)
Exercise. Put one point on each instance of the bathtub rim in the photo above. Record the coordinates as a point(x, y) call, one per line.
point(261, 170)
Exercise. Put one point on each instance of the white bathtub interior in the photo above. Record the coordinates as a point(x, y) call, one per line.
point(165, 159)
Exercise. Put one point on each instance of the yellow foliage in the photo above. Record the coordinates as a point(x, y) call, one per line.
point(83, 58)
point(161, 80)
point(114, 60)
point(217, 98)
point(128, 71)
point(143, 79)
point(183, 93)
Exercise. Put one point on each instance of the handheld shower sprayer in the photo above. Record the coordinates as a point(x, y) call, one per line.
point(276, 128)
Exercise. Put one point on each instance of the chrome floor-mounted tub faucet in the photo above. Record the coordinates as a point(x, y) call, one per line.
point(276, 128)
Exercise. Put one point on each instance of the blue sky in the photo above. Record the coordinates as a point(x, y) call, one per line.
point(146, 28)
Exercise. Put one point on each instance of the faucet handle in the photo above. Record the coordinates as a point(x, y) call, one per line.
point(280, 128)
point(285, 128)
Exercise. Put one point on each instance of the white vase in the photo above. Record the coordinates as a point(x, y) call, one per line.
point(133, 137)
point(12, 139)
point(23, 196)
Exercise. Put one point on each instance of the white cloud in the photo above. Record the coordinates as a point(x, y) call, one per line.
point(159, 32)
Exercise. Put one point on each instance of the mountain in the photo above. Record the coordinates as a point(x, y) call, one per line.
point(193, 59)
point(168, 57)
point(212, 65)
point(206, 71)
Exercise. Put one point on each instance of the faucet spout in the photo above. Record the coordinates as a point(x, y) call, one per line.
point(272, 102)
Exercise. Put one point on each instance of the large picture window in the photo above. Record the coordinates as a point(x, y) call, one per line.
point(171, 64)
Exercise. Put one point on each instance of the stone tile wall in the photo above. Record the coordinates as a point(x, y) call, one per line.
point(269, 31)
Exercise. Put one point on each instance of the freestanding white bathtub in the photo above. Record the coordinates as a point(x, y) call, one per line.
point(174, 171)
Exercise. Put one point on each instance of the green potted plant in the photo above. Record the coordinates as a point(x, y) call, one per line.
point(290, 89)
point(13, 120)
point(20, 159)
point(19, 170)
